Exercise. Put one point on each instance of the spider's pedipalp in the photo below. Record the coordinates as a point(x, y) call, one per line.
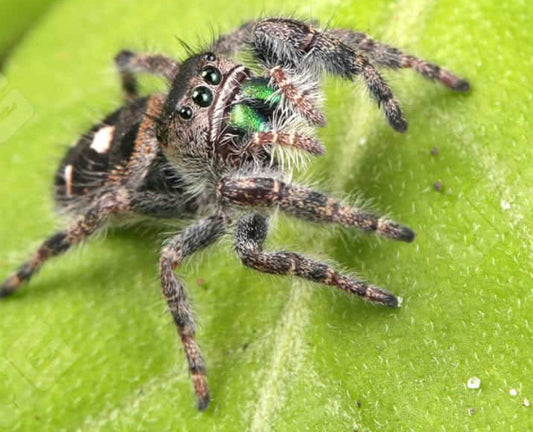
point(300, 100)
point(286, 139)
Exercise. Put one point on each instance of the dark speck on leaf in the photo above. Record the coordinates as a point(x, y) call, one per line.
point(434, 151)
point(438, 186)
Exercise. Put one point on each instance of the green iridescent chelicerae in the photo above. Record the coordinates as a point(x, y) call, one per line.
point(247, 117)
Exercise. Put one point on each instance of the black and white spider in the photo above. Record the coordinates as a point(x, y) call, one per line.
point(210, 150)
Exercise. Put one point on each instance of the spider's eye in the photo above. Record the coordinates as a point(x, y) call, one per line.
point(211, 75)
point(185, 113)
point(202, 96)
point(210, 57)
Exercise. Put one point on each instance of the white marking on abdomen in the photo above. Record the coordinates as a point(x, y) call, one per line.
point(68, 179)
point(102, 139)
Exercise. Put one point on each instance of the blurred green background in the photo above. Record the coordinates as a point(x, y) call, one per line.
point(89, 345)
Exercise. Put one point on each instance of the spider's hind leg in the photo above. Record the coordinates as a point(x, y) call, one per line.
point(61, 241)
point(130, 63)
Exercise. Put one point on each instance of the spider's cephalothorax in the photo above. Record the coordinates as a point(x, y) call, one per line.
point(208, 150)
point(192, 119)
point(220, 117)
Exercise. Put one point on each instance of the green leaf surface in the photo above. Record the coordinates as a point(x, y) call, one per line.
point(89, 345)
point(16, 17)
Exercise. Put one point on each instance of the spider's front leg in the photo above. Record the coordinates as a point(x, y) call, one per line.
point(392, 58)
point(250, 234)
point(295, 45)
point(198, 236)
point(306, 204)
point(129, 63)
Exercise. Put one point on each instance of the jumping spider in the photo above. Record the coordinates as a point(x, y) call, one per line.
point(210, 150)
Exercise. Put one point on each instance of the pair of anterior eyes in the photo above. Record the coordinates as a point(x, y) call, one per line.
point(202, 95)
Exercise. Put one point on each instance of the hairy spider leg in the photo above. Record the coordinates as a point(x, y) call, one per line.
point(284, 44)
point(393, 58)
point(130, 63)
point(251, 232)
point(61, 241)
point(295, 43)
point(196, 237)
point(307, 204)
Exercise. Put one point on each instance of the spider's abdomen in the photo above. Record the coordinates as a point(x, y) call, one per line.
point(102, 159)
point(107, 146)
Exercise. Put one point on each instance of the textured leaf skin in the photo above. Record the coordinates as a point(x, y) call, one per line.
point(282, 354)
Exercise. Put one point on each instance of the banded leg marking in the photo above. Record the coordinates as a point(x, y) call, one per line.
point(250, 234)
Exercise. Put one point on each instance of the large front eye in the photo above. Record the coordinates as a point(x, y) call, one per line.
point(211, 75)
point(202, 96)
